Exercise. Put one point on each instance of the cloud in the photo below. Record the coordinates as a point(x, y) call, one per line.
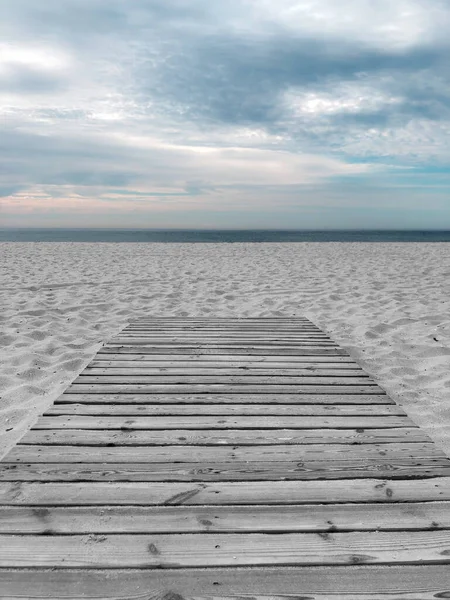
point(188, 101)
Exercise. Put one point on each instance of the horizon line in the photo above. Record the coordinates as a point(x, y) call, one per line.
point(292, 230)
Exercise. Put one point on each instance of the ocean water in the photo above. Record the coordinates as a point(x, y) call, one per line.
point(216, 236)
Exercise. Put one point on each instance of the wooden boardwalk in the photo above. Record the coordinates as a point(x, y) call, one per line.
point(224, 458)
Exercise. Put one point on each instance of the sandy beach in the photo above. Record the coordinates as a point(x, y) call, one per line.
point(388, 305)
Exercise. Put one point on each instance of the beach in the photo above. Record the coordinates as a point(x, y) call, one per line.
point(387, 304)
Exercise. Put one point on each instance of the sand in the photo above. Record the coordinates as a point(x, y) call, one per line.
point(387, 304)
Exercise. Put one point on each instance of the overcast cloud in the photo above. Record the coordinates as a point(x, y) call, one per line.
point(249, 113)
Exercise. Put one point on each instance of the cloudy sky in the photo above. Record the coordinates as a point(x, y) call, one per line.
point(225, 113)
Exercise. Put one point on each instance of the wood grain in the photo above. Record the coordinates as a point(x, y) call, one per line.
point(238, 422)
point(327, 453)
point(212, 388)
point(393, 582)
point(187, 350)
point(223, 398)
point(225, 550)
point(222, 379)
point(109, 493)
point(200, 410)
point(221, 372)
point(239, 471)
point(326, 518)
point(224, 360)
point(218, 437)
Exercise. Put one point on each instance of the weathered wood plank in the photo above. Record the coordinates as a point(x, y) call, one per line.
point(230, 336)
point(240, 351)
point(261, 424)
point(211, 388)
point(244, 332)
point(271, 399)
point(244, 471)
point(97, 493)
point(214, 437)
point(207, 344)
point(150, 371)
point(219, 331)
point(282, 410)
point(299, 454)
point(225, 360)
point(190, 367)
point(406, 582)
point(226, 519)
point(216, 549)
point(207, 323)
point(243, 379)
point(214, 319)
point(232, 323)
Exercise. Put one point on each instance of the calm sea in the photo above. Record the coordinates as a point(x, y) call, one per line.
point(216, 236)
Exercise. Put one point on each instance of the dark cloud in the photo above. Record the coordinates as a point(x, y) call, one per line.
point(64, 20)
point(238, 80)
point(23, 80)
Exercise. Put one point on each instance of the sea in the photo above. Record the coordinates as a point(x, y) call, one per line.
point(215, 236)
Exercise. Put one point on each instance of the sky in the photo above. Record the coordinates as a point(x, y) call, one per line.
point(289, 114)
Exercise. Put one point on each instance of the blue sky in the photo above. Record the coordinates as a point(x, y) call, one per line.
point(234, 113)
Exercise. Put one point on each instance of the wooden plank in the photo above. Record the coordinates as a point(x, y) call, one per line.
point(219, 399)
point(150, 371)
point(207, 344)
point(231, 336)
point(282, 410)
point(240, 351)
point(243, 379)
point(405, 582)
point(212, 388)
point(224, 331)
point(196, 325)
point(114, 493)
point(265, 362)
point(191, 365)
point(217, 549)
point(209, 320)
point(236, 324)
point(179, 454)
point(223, 519)
point(229, 332)
point(261, 424)
point(214, 319)
point(238, 471)
point(214, 437)
point(193, 584)
point(222, 341)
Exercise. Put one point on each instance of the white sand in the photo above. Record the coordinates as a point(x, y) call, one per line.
point(387, 304)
